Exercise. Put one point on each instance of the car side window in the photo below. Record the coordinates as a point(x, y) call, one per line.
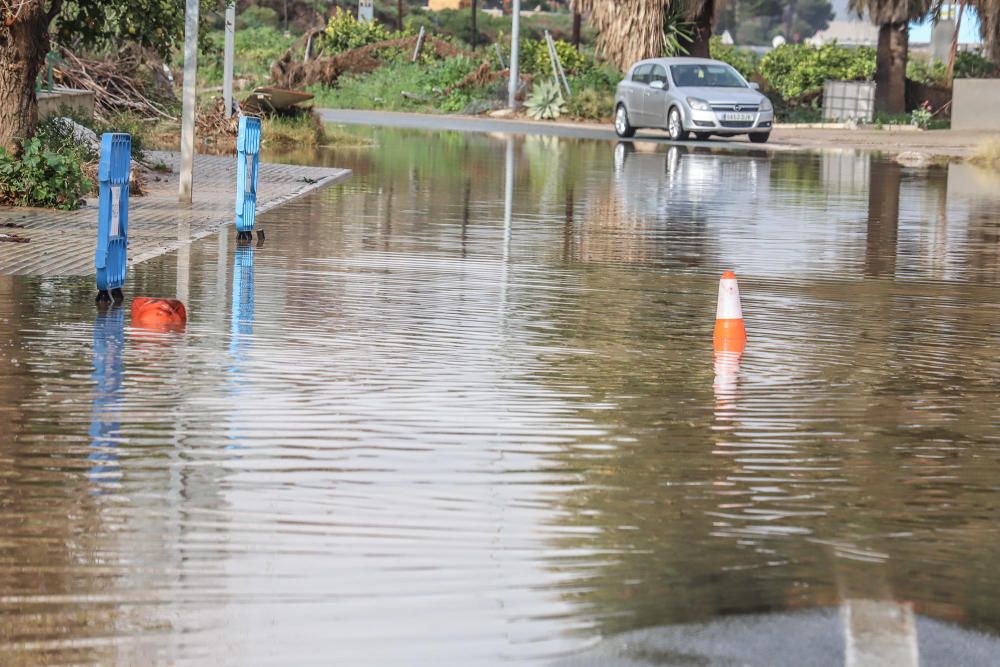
point(658, 74)
point(641, 73)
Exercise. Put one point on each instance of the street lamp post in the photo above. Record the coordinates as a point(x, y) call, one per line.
point(190, 101)
point(515, 47)
point(227, 72)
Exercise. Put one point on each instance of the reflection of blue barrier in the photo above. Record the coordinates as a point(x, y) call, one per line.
point(112, 217)
point(105, 429)
point(242, 324)
point(247, 159)
point(241, 331)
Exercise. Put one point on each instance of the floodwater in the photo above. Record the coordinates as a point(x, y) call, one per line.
point(435, 422)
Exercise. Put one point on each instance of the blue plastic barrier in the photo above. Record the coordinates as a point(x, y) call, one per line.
point(112, 217)
point(247, 160)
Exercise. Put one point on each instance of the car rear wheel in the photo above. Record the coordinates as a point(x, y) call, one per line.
point(622, 127)
point(702, 136)
point(759, 137)
point(675, 127)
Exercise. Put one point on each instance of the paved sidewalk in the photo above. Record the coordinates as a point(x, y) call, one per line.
point(62, 242)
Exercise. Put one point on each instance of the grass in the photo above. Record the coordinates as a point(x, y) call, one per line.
point(986, 154)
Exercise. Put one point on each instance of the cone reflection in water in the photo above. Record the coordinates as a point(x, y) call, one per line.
point(727, 375)
point(730, 333)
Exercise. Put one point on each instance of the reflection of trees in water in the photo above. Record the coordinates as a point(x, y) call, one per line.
point(984, 242)
point(883, 218)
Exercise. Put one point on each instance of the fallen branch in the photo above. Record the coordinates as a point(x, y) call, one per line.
point(118, 83)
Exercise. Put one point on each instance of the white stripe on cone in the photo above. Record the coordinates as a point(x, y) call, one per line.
point(729, 301)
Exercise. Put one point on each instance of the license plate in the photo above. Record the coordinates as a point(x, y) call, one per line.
point(737, 116)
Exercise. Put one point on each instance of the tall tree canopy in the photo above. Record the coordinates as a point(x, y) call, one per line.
point(25, 30)
point(629, 30)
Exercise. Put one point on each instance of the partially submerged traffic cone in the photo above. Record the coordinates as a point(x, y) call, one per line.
point(158, 314)
point(730, 334)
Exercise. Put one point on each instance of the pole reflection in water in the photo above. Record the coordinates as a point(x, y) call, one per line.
point(241, 328)
point(508, 212)
point(105, 427)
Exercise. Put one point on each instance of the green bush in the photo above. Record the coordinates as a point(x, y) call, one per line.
point(254, 18)
point(930, 73)
point(426, 87)
point(51, 177)
point(968, 64)
point(534, 58)
point(590, 103)
point(743, 61)
point(797, 69)
point(972, 65)
point(345, 32)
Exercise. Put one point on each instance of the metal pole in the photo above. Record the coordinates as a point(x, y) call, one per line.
point(188, 110)
point(515, 46)
point(227, 76)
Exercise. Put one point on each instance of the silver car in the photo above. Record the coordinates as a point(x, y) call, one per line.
point(685, 95)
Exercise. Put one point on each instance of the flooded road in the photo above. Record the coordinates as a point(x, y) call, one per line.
point(437, 420)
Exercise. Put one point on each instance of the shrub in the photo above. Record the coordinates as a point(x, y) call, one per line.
point(51, 177)
point(743, 61)
point(345, 32)
point(590, 104)
point(972, 65)
point(930, 73)
point(427, 87)
point(253, 18)
point(797, 69)
point(534, 58)
point(986, 154)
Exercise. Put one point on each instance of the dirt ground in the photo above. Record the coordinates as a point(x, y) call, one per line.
point(949, 143)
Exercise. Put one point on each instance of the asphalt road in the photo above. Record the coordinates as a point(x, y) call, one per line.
point(499, 125)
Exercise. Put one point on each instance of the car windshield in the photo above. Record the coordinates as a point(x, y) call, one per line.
point(709, 76)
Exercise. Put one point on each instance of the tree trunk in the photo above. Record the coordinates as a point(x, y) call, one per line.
point(23, 46)
point(701, 31)
point(399, 15)
point(475, 36)
point(576, 30)
point(890, 67)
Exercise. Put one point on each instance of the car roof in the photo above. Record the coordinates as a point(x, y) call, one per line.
point(679, 61)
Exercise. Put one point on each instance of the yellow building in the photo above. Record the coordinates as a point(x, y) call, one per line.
point(438, 5)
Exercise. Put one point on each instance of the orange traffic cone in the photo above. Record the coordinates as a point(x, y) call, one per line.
point(158, 314)
point(730, 334)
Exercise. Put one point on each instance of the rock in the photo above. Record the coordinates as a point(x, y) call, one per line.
point(913, 159)
point(79, 133)
point(502, 113)
point(476, 107)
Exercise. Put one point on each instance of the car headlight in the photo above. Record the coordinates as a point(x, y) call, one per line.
point(766, 105)
point(698, 105)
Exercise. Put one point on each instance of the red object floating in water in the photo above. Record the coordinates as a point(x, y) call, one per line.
point(158, 314)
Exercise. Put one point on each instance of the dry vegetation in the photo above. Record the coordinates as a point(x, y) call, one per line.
point(987, 154)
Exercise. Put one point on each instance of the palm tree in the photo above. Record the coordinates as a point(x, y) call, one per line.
point(893, 20)
point(630, 30)
point(989, 25)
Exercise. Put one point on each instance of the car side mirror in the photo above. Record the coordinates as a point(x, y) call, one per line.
point(754, 85)
point(659, 85)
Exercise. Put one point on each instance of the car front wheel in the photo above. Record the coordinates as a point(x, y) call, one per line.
point(759, 137)
point(675, 127)
point(622, 127)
